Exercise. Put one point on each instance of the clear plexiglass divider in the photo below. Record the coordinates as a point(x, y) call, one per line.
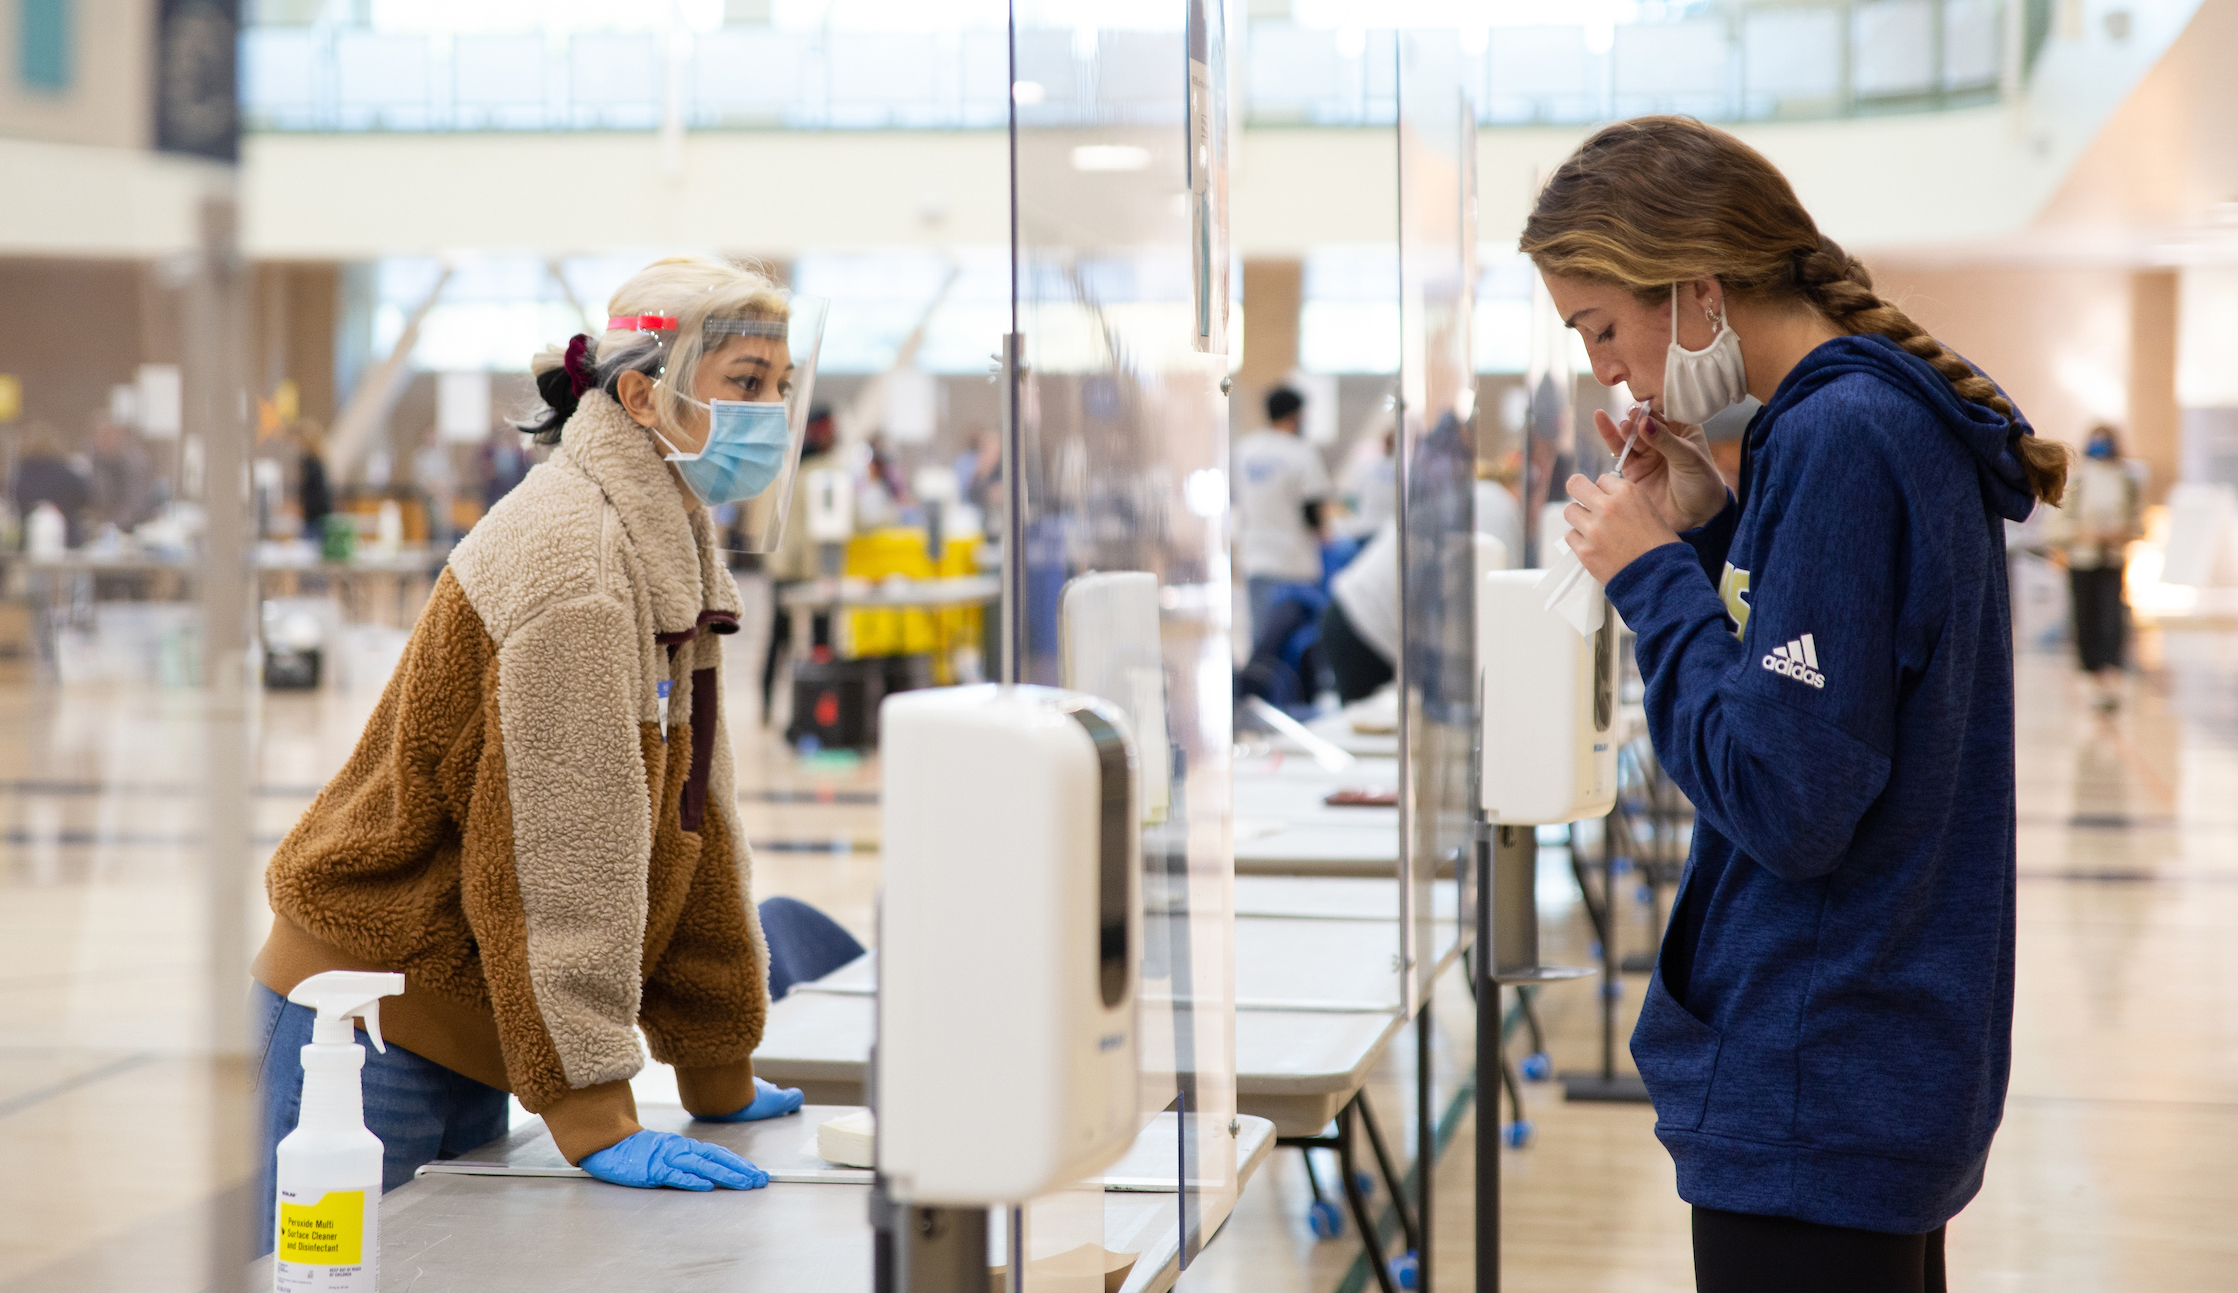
point(1437, 508)
point(1117, 581)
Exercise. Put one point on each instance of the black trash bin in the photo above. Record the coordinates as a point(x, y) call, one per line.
point(836, 702)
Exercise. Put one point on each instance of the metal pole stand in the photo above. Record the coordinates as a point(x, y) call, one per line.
point(927, 1250)
point(1607, 1086)
point(1507, 917)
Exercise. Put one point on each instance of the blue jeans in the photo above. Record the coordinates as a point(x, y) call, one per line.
point(421, 1111)
point(1264, 590)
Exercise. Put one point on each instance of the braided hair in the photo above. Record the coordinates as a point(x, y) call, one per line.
point(1660, 200)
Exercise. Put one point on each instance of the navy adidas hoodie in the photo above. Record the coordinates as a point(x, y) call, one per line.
point(1828, 1031)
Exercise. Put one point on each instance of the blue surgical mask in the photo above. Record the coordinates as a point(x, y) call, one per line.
point(2100, 449)
point(746, 448)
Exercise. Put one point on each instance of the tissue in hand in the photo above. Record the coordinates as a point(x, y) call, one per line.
point(1573, 594)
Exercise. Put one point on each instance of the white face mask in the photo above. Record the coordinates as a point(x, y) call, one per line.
point(1700, 384)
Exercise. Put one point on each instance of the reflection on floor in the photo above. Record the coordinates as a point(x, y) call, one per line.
point(2113, 1170)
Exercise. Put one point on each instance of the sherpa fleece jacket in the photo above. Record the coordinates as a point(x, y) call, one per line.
point(1828, 1031)
point(549, 853)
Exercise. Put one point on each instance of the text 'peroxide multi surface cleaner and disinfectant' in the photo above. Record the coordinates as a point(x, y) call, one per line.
point(329, 1196)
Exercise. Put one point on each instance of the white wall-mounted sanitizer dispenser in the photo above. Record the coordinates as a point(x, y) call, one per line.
point(1549, 702)
point(1010, 941)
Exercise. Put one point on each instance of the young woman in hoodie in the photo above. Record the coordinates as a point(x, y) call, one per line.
point(1828, 658)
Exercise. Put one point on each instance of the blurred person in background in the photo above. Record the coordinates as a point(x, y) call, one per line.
point(1360, 626)
point(1281, 488)
point(123, 481)
point(2091, 532)
point(504, 463)
point(1371, 485)
point(1497, 511)
point(795, 560)
point(880, 494)
point(45, 474)
point(979, 471)
point(313, 494)
point(437, 481)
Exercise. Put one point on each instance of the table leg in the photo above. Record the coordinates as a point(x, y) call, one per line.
point(1349, 1170)
point(1489, 1056)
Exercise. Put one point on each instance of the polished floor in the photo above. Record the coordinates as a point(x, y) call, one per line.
point(2117, 1167)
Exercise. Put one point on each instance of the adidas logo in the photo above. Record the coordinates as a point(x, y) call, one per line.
point(1797, 660)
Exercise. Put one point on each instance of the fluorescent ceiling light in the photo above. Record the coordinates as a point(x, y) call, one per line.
point(1028, 93)
point(1110, 157)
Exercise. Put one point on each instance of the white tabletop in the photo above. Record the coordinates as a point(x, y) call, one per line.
point(453, 1230)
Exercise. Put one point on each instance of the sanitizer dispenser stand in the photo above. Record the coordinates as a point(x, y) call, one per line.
point(1009, 948)
point(1545, 756)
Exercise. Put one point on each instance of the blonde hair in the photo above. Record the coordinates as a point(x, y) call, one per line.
point(1654, 201)
point(707, 297)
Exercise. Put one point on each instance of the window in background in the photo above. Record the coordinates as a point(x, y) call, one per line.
point(43, 45)
point(1348, 317)
point(877, 299)
point(945, 64)
point(494, 313)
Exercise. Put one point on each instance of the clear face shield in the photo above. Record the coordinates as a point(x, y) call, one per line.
point(752, 450)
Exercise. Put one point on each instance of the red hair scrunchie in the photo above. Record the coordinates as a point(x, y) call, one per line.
point(577, 364)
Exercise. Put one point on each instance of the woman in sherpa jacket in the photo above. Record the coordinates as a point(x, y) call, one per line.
point(537, 826)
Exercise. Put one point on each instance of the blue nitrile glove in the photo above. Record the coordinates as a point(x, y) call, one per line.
point(770, 1101)
point(651, 1159)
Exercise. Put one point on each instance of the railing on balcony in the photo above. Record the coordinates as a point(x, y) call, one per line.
point(1736, 60)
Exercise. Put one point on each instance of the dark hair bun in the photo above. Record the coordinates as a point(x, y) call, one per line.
point(561, 387)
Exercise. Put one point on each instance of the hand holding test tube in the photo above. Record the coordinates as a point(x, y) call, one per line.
point(1671, 462)
point(1635, 421)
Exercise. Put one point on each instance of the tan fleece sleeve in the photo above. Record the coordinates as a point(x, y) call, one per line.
point(586, 1121)
point(366, 868)
point(717, 1090)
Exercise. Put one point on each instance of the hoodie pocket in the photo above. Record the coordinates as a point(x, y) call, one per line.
point(1677, 1057)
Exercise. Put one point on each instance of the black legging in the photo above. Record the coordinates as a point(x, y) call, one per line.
point(1359, 668)
point(2099, 614)
point(1736, 1252)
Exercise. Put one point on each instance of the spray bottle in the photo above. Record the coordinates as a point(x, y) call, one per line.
point(329, 1179)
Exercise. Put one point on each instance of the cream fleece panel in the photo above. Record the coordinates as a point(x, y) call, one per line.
point(547, 575)
point(718, 589)
point(663, 540)
point(582, 826)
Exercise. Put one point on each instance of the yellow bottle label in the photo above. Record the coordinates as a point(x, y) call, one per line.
point(330, 1232)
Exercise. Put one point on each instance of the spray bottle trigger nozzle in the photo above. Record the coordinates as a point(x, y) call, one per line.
point(338, 995)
